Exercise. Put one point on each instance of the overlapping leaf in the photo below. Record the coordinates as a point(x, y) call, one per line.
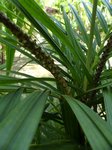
point(21, 122)
point(92, 125)
point(33, 9)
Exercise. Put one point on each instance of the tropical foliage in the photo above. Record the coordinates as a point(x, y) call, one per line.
point(72, 109)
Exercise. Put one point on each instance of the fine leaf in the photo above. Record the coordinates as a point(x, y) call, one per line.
point(102, 21)
point(89, 15)
point(9, 57)
point(80, 24)
point(43, 18)
point(108, 5)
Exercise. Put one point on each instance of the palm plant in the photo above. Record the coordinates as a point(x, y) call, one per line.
point(73, 108)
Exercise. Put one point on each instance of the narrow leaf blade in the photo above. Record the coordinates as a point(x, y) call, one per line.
point(18, 128)
point(108, 104)
point(92, 125)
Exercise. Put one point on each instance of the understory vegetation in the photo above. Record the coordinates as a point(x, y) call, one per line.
point(72, 109)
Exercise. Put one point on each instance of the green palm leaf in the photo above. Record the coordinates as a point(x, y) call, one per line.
point(102, 20)
point(33, 9)
point(22, 121)
point(92, 125)
point(89, 15)
point(80, 25)
point(107, 92)
point(108, 5)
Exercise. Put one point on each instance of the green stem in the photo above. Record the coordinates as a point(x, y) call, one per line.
point(89, 53)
